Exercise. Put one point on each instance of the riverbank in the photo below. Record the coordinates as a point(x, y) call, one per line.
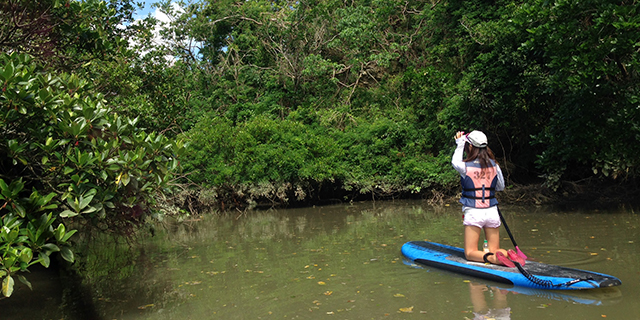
point(588, 193)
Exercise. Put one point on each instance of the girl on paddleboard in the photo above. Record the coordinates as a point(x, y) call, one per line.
point(481, 178)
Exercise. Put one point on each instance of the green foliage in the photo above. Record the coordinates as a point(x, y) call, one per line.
point(60, 139)
point(591, 71)
point(27, 235)
point(259, 152)
point(390, 78)
point(382, 158)
point(388, 157)
point(65, 34)
point(365, 96)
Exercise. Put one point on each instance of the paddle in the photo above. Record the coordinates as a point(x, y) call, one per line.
point(527, 274)
point(520, 253)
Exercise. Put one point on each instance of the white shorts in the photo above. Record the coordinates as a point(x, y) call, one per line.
point(481, 218)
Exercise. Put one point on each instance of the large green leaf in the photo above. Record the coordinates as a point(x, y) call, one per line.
point(44, 259)
point(67, 254)
point(7, 286)
point(68, 214)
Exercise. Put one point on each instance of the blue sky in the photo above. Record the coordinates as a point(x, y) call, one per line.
point(146, 9)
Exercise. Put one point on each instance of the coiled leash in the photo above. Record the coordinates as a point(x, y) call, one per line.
point(548, 283)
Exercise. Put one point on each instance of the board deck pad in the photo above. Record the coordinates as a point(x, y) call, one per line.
point(541, 275)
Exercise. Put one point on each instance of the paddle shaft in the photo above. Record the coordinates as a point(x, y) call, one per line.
point(529, 276)
point(507, 228)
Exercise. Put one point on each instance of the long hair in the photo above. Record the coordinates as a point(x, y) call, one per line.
point(483, 155)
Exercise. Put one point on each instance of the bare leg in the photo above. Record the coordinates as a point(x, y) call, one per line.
point(477, 297)
point(471, 238)
point(493, 239)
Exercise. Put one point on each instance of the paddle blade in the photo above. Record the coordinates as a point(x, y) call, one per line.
point(520, 253)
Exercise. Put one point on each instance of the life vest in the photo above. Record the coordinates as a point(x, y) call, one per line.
point(479, 186)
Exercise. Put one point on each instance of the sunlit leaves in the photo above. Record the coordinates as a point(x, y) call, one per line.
point(87, 161)
point(7, 286)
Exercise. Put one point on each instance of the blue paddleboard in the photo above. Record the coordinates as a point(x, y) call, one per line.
point(533, 275)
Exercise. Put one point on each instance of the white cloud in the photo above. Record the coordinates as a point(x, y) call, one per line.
point(164, 21)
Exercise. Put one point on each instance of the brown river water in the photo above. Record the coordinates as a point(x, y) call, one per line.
point(339, 262)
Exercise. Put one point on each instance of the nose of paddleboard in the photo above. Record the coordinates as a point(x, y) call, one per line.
point(610, 283)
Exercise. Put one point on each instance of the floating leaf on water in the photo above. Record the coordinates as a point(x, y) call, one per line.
point(407, 310)
point(328, 293)
point(322, 283)
point(594, 253)
point(399, 295)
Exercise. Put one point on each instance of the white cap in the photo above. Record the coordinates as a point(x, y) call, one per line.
point(477, 139)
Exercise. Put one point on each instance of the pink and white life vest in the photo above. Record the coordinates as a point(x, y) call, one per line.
point(479, 186)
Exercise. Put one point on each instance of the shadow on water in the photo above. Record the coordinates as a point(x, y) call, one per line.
point(57, 295)
point(340, 260)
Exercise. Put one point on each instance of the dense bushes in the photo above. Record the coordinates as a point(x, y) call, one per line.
point(67, 157)
point(286, 160)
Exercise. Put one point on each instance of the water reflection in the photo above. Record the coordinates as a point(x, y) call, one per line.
point(595, 297)
point(489, 299)
point(497, 307)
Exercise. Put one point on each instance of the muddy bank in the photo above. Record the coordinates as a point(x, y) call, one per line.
point(573, 195)
point(587, 193)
